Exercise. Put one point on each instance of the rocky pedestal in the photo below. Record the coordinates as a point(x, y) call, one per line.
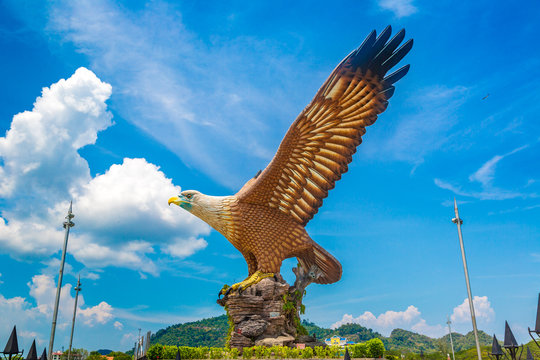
point(267, 313)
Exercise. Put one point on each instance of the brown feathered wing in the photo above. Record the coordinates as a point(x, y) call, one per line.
point(320, 143)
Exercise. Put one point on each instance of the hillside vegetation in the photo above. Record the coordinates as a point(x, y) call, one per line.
point(212, 332)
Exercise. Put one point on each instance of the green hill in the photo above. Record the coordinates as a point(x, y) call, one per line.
point(213, 331)
point(205, 332)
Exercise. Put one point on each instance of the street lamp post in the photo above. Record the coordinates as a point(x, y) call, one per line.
point(77, 289)
point(68, 224)
point(451, 341)
point(459, 222)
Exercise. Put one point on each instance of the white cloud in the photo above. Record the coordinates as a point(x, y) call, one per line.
point(122, 217)
point(118, 325)
point(434, 331)
point(410, 318)
point(32, 314)
point(198, 100)
point(42, 144)
point(485, 176)
point(400, 8)
point(99, 314)
point(482, 310)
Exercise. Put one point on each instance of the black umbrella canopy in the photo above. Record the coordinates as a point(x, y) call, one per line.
point(12, 346)
point(495, 347)
point(509, 339)
point(43, 355)
point(347, 356)
point(537, 327)
point(32, 354)
point(529, 355)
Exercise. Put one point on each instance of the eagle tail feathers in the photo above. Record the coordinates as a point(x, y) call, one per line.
point(329, 268)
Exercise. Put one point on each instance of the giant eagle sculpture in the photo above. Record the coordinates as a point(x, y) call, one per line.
point(265, 220)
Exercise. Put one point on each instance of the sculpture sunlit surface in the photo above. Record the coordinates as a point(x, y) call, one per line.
point(265, 220)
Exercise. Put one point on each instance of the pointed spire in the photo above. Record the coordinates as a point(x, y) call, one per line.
point(537, 327)
point(529, 355)
point(43, 355)
point(178, 354)
point(12, 346)
point(32, 354)
point(347, 356)
point(509, 339)
point(496, 347)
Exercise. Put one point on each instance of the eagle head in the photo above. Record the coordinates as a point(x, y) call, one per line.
point(187, 200)
point(207, 208)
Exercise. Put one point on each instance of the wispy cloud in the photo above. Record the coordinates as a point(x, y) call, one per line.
point(425, 128)
point(485, 177)
point(485, 174)
point(200, 101)
point(400, 8)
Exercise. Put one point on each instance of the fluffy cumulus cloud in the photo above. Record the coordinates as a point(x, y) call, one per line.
point(43, 143)
point(482, 309)
point(411, 318)
point(122, 215)
point(34, 312)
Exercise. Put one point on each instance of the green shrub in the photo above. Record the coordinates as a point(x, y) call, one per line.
point(169, 352)
point(233, 353)
point(307, 353)
point(375, 348)
point(320, 352)
point(216, 353)
point(358, 350)
point(155, 352)
point(247, 353)
point(333, 351)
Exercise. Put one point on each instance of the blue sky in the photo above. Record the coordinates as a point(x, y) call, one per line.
point(119, 105)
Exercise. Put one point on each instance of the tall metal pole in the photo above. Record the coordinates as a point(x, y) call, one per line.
point(67, 225)
point(451, 341)
point(77, 289)
point(458, 222)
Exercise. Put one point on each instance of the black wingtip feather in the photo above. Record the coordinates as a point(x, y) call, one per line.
point(363, 53)
point(396, 56)
point(396, 75)
point(379, 55)
point(388, 49)
point(388, 93)
point(381, 40)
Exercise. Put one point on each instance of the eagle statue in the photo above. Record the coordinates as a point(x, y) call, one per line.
point(265, 220)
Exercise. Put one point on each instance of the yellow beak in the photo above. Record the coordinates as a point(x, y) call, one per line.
point(175, 200)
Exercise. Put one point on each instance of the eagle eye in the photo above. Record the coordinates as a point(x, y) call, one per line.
point(189, 196)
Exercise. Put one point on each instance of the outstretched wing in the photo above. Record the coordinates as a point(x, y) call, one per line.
point(320, 143)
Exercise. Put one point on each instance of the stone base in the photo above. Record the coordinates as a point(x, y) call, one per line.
point(259, 317)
